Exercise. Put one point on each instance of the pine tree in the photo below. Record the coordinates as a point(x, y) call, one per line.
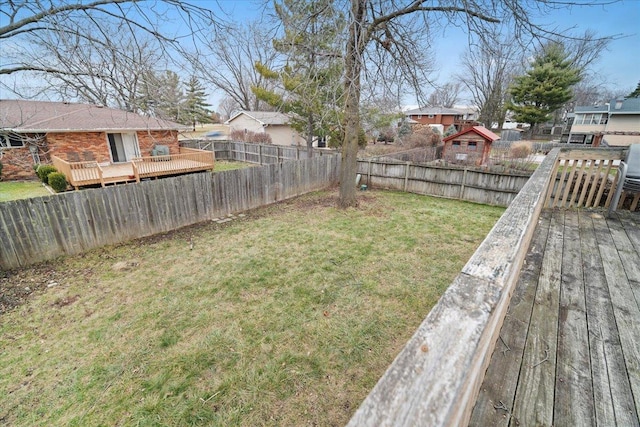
point(310, 84)
point(195, 105)
point(635, 93)
point(544, 88)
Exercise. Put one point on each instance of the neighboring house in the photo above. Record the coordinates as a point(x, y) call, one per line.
point(33, 132)
point(614, 124)
point(470, 146)
point(276, 125)
point(462, 118)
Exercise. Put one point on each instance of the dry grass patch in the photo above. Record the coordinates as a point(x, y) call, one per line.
point(285, 317)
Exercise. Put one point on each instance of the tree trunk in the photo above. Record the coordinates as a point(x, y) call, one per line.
point(310, 136)
point(353, 67)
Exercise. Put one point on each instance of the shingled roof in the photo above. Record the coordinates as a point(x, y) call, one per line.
point(23, 116)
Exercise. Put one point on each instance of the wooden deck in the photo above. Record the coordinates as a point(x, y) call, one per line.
point(568, 353)
point(91, 173)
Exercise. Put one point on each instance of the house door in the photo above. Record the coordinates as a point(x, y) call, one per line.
point(123, 146)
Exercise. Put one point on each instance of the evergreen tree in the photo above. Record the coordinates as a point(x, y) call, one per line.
point(195, 105)
point(309, 83)
point(162, 96)
point(544, 88)
point(635, 93)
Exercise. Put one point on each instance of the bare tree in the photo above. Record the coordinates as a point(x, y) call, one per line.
point(392, 26)
point(446, 95)
point(227, 107)
point(487, 69)
point(93, 49)
point(229, 65)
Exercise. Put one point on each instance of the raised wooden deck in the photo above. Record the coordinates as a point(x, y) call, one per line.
point(90, 173)
point(568, 353)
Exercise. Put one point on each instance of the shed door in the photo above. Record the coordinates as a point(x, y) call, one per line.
point(123, 147)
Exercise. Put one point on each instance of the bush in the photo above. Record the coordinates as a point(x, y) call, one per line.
point(43, 172)
point(520, 151)
point(57, 181)
point(255, 137)
point(423, 137)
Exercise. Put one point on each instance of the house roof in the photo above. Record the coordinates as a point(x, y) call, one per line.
point(628, 106)
point(480, 130)
point(591, 109)
point(42, 116)
point(434, 110)
point(265, 118)
point(624, 106)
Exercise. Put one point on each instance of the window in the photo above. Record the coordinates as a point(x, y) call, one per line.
point(473, 145)
point(431, 116)
point(576, 138)
point(11, 140)
point(591, 119)
point(456, 144)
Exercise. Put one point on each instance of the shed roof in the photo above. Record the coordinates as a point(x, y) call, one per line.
point(264, 117)
point(480, 130)
point(20, 115)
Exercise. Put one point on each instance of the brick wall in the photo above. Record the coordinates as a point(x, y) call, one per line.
point(17, 164)
point(148, 139)
point(79, 146)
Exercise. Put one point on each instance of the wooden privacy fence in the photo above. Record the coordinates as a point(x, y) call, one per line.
point(253, 153)
point(486, 187)
point(38, 229)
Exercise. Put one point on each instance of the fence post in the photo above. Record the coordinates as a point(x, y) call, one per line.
point(464, 181)
point(260, 154)
point(369, 175)
point(406, 176)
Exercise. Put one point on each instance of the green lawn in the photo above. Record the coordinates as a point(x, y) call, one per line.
point(226, 165)
point(287, 316)
point(11, 190)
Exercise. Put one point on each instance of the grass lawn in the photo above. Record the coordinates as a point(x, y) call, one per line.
point(12, 190)
point(226, 165)
point(287, 316)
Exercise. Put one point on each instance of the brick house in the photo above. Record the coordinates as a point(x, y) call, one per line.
point(470, 146)
point(462, 118)
point(33, 131)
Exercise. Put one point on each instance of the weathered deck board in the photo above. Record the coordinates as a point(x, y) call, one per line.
point(585, 313)
point(495, 400)
point(535, 392)
point(573, 405)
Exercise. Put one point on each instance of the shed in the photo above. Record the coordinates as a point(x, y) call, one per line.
point(470, 146)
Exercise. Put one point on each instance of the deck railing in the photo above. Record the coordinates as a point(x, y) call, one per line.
point(189, 160)
point(436, 377)
point(86, 173)
point(584, 178)
point(90, 173)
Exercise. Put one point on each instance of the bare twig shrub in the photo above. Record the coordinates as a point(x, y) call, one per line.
point(248, 136)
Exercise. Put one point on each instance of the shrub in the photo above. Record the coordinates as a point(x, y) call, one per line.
point(520, 151)
point(423, 137)
point(248, 136)
point(43, 172)
point(57, 181)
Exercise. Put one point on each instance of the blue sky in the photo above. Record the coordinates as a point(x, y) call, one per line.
point(619, 65)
